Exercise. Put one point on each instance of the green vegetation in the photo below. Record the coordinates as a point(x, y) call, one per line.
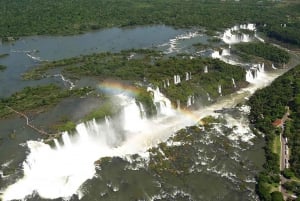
point(106, 109)
point(31, 99)
point(267, 105)
point(276, 145)
point(66, 126)
point(277, 196)
point(2, 67)
point(287, 32)
point(264, 50)
point(34, 17)
point(147, 66)
point(4, 55)
point(293, 187)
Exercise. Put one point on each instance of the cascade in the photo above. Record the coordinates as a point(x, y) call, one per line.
point(57, 145)
point(189, 101)
point(132, 117)
point(233, 82)
point(107, 121)
point(72, 85)
point(177, 79)
point(163, 104)
point(273, 67)
point(164, 83)
point(178, 104)
point(143, 111)
point(205, 69)
point(220, 89)
point(60, 172)
point(190, 75)
point(233, 35)
point(66, 139)
point(186, 76)
point(249, 76)
point(255, 72)
point(208, 97)
point(225, 52)
point(168, 82)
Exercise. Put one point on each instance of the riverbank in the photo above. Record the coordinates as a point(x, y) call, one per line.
point(268, 105)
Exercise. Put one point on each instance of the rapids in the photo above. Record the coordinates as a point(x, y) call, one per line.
point(60, 171)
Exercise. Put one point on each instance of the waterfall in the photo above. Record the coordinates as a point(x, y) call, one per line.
point(274, 67)
point(168, 82)
point(177, 79)
point(57, 145)
point(72, 85)
point(208, 97)
point(60, 172)
point(233, 82)
point(257, 71)
point(178, 104)
point(132, 117)
point(107, 121)
point(188, 76)
point(163, 104)
point(190, 100)
point(164, 83)
point(143, 111)
point(234, 35)
point(205, 69)
point(220, 89)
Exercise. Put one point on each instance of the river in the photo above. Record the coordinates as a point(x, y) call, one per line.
point(225, 157)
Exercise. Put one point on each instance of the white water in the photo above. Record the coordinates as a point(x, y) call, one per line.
point(34, 58)
point(205, 69)
point(233, 35)
point(67, 81)
point(59, 172)
point(256, 73)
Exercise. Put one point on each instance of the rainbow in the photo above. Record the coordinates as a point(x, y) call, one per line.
point(114, 87)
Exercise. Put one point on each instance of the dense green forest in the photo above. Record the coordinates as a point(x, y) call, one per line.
point(265, 51)
point(40, 17)
point(147, 66)
point(270, 104)
point(37, 98)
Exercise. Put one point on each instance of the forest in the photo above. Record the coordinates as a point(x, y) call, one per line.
point(20, 18)
point(148, 66)
point(270, 104)
point(37, 98)
point(265, 51)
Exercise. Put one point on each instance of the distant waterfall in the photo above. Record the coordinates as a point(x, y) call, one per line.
point(177, 79)
point(255, 72)
point(220, 90)
point(234, 35)
point(233, 82)
point(208, 97)
point(273, 67)
point(190, 101)
point(205, 69)
point(67, 81)
point(188, 76)
point(178, 104)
